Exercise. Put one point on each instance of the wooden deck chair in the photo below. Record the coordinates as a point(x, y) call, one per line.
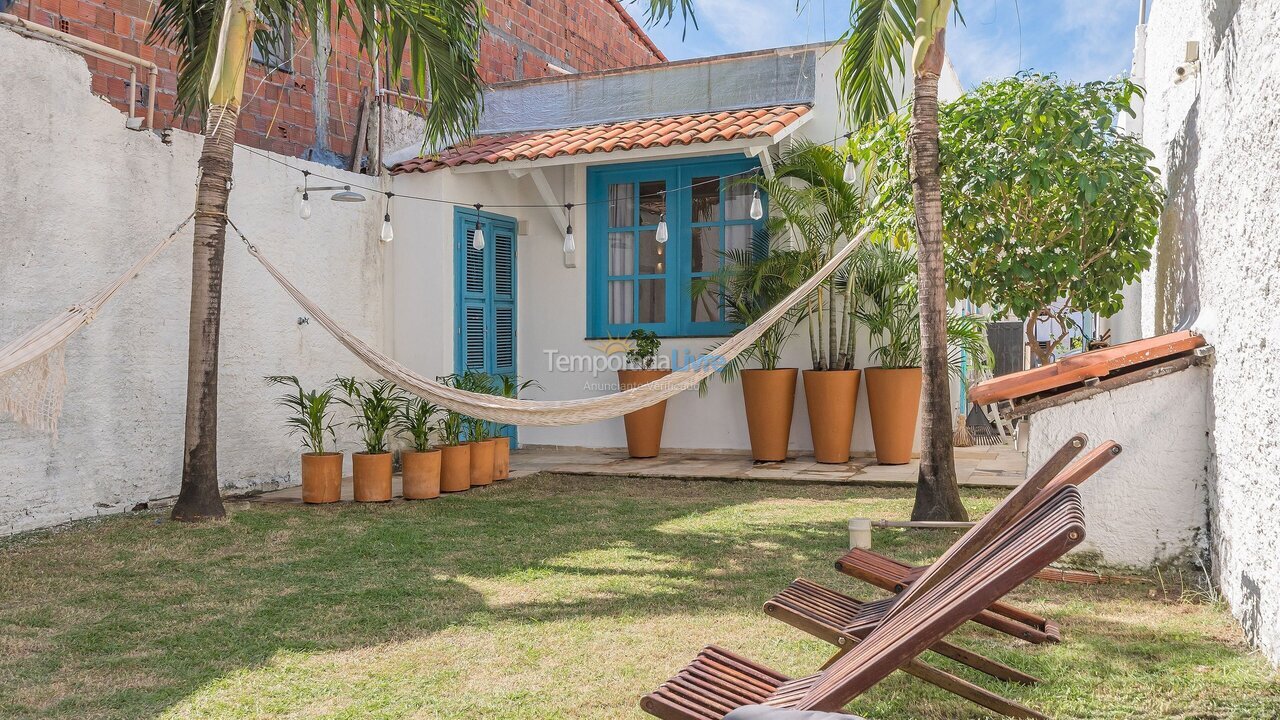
point(718, 681)
point(889, 574)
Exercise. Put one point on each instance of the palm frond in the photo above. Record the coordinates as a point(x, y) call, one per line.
point(874, 57)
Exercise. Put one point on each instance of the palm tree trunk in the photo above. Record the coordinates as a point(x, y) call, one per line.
point(937, 490)
point(199, 497)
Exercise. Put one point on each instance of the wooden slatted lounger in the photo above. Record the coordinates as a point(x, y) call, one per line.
point(841, 620)
point(964, 582)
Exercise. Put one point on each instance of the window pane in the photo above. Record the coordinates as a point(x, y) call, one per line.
point(706, 199)
point(622, 208)
point(653, 301)
point(652, 253)
point(706, 307)
point(737, 197)
point(621, 253)
point(706, 249)
point(737, 237)
point(653, 201)
point(620, 302)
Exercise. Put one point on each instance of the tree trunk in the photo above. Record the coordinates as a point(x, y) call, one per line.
point(937, 490)
point(199, 497)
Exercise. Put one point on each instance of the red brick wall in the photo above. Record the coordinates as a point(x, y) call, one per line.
point(525, 38)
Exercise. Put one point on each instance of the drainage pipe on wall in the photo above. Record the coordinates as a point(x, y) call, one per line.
point(78, 44)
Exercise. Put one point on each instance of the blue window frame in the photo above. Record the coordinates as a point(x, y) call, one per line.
point(636, 282)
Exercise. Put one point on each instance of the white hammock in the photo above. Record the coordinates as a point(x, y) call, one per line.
point(552, 413)
point(33, 377)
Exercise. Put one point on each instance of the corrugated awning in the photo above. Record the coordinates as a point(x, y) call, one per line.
point(612, 137)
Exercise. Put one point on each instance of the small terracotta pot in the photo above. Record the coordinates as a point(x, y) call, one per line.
point(321, 477)
point(455, 468)
point(832, 399)
point(371, 476)
point(644, 427)
point(501, 458)
point(481, 463)
point(893, 396)
point(770, 397)
point(420, 472)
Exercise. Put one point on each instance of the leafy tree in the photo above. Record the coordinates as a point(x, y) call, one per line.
point(1049, 207)
point(213, 39)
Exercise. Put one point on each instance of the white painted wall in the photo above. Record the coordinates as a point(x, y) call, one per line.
point(83, 198)
point(1215, 138)
point(551, 309)
point(1149, 504)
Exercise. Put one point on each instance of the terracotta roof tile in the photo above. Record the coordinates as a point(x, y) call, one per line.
point(1075, 369)
point(630, 135)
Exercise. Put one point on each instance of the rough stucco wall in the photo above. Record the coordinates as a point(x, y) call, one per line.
point(1148, 505)
point(1215, 136)
point(83, 198)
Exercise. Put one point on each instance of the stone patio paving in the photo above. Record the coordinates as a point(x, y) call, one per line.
point(978, 466)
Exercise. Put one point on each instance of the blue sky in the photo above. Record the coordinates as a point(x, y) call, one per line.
point(1078, 39)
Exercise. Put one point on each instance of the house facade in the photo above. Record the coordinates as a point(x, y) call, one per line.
point(304, 99)
point(611, 154)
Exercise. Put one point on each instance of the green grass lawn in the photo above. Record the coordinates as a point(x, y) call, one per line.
point(550, 597)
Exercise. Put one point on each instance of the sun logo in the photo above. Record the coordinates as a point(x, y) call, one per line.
point(611, 345)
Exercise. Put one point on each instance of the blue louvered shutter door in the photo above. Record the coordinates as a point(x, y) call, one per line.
point(504, 299)
point(473, 312)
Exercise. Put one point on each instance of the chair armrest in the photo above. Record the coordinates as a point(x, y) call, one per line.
point(764, 712)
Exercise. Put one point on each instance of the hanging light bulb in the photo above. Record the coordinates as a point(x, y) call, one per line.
point(850, 169)
point(569, 244)
point(477, 240)
point(388, 233)
point(757, 207)
point(304, 207)
point(661, 235)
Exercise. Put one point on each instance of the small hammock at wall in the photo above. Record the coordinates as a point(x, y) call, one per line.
point(548, 413)
point(33, 377)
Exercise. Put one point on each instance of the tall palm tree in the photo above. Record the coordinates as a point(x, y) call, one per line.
point(873, 58)
point(213, 40)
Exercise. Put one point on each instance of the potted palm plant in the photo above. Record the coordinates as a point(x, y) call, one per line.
point(821, 211)
point(890, 308)
point(419, 463)
point(312, 420)
point(374, 404)
point(476, 432)
point(644, 426)
point(508, 386)
point(751, 281)
point(455, 455)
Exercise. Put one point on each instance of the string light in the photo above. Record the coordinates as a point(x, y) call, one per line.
point(304, 208)
point(477, 240)
point(757, 207)
point(388, 233)
point(661, 234)
point(569, 244)
point(850, 169)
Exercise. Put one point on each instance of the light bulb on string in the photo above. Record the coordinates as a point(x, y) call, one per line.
point(304, 207)
point(477, 240)
point(569, 244)
point(388, 233)
point(661, 235)
point(850, 169)
point(757, 207)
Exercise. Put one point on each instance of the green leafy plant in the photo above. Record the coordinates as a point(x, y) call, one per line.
point(751, 282)
point(1050, 208)
point(374, 403)
point(510, 386)
point(645, 353)
point(416, 419)
point(311, 418)
point(889, 305)
point(452, 427)
point(473, 429)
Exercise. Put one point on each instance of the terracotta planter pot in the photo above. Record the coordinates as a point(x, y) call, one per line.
point(371, 476)
point(501, 458)
point(481, 463)
point(420, 472)
point(455, 468)
point(832, 398)
point(644, 427)
point(893, 396)
point(770, 397)
point(321, 477)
